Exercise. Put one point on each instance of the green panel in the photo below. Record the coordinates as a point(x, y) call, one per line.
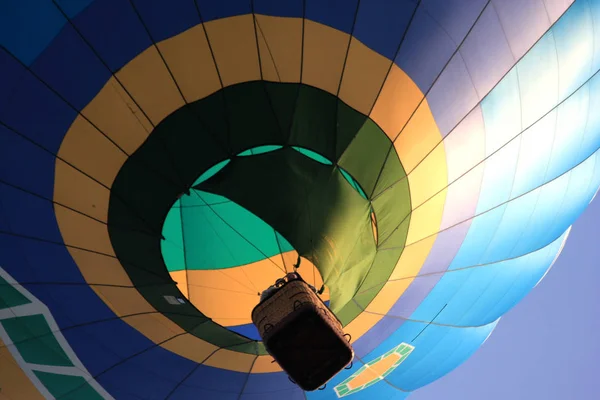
point(349, 123)
point(283, 98)
point(316, 210)
point(366, 155)
point(393, 212)
point(391, 176)
point(35, 341)
point(315, 120)
point(353, 183)
point(10, 296)
point(67, 387)
point(251, 116)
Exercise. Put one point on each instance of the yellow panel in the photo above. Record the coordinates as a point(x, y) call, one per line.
point(231, 360)
point(426, 220)
point(324, 54)
point(190, 60)
point(419, 137)
point(429, 178)
point(226, 308)
point(158, 329)
point(80, 231)
point(234, 45)
point(227, 296)
point(75, 190)
point(190, 347)
point(387, 296)
point(398, 99)
point(280, 45)
point(116, 114)
point(124, 301)
point(265, 364)
point(412, 260)
point(182, 284)
point(14, 384)
point(86, 149)
point(361, 324)
point(99, 269)
point(148, 81)
point(364, 75)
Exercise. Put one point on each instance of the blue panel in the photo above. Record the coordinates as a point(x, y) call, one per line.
point(480, 234)
point(571, 126)
point(574, 35)
point(295, 394)
point(129, 377)
point(248, 330)
point(90, 350)
point(595, 13)
point(71, 68)
point(12, 73)
point(112, 336)
point(185, 392)
point(510, 231)
point(165, 18)
point(212, 10)
point(438, 350)
point(379, 390)
point(164, 363)
point(382, 330)
point(278, 8)
point(478, 296)
point(456, 17)
point(583, 183)
point(591, 140)
point(29, 97)
point(271, 382)
point(25, 165)
point(28, 26)
point(381, 24)
point(217, 380)
point(338, 14)
point(30, 216)
point(114, 31)
point(424, 66)
point(452, 96)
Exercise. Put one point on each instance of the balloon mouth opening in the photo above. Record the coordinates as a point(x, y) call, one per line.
point(249, 254)
point(235, 197)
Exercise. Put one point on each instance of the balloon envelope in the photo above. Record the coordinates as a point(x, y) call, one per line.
point(162, 163)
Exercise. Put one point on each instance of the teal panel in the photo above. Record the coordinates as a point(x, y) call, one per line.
point(313, 155)
point(212, 171)
point(67, 387)
point(172, 247)
point(223, 235)
point(260, 150)
point(10, 296)
point(35, 341)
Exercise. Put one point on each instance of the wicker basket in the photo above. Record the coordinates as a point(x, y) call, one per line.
point(302, 335)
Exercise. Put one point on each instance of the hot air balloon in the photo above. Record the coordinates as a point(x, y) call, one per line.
point(163, 162)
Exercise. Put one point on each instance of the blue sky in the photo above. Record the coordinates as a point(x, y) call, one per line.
point(548, 346)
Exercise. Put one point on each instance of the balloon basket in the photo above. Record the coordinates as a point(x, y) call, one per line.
point(302, 334)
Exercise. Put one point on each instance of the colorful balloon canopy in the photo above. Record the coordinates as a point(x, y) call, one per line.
point(162, 162)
